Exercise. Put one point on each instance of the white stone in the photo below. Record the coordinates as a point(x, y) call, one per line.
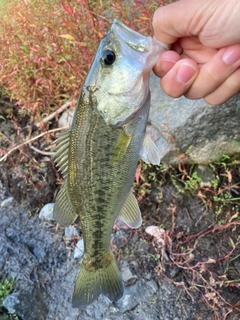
point(78, 252)
point(66, 118)
point(71, 232)
point(46, 212)
point(7, 202)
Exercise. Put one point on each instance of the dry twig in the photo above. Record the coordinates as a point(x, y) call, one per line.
point(52, 115)
point(31, 140)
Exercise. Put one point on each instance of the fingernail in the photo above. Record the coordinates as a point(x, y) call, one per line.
point(166, 65)
point(185, 73)
point(231, 55)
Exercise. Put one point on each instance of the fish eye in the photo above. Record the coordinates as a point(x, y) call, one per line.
point(108, 57)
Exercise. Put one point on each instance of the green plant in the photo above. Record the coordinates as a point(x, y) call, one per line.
point(147, 175)
point(12, 316)
point(187, 181)
point(6, 288)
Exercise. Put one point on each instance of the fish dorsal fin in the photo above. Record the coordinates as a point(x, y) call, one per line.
point(61, 153)
point(149, 152)
point(130, 212)
point(121, 146)
point(63, 212)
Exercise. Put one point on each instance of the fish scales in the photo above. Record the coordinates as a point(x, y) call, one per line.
point(98, 156)
point(100, 186)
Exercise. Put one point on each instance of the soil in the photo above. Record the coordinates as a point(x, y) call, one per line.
point(189, 270)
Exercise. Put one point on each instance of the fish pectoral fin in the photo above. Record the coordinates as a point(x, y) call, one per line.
point(91, 283)
point(130, 212)
point(121, 146)
point(149, 152)
point(61, 153)
point(63, 212)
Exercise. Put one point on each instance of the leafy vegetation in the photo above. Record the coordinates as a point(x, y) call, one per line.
point(221, 191)
point(6, 288)
point(47, 47)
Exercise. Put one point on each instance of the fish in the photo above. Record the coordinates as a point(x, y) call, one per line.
point(98, 155)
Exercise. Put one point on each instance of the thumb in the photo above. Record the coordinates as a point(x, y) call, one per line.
point(176, 20)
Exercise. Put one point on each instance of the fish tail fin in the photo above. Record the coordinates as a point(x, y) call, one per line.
point(91, 283)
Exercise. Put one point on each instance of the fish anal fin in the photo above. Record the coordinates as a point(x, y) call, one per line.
point(63, 212)
point(91, 283)
point(149, 152)
point(130, 212)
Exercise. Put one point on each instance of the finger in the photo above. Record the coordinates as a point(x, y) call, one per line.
point(179, 79)
point(172, 21)
point(195, 50)
point(165, 63)
point(216, 71)
point(226, 90)
point(214, 22)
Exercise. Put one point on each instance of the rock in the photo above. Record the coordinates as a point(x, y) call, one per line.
point(7, 202)
point(46, 212)
point(28, 253)
point(206, 175)
point(127, 302)
point(78, 252)
point(136, 294)
point(152, 286)
point(147, 276)
point(66, 118)
point(20, 302)
point(71, 232)
point(192, 128)
point(128, 277)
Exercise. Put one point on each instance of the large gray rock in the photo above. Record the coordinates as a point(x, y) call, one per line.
point(192, 128)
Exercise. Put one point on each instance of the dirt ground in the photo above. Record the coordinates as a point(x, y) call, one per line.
point(193, 256)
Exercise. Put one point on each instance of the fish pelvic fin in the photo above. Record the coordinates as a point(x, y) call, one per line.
point(91, 282)
point(130, 212)
point(149, 152)
point(63, 211)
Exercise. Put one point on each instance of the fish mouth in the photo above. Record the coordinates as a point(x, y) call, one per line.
point(135, 40)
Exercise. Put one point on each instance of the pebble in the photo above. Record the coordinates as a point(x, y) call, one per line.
point(127, 275)
point(127, 302)
point(7, 202)
point(46, 212)
point(136, 294)
point(66, 118)
point(78, 252)
point(71, 232)
point(147, 276)
point(152, 286)
point(206, 175)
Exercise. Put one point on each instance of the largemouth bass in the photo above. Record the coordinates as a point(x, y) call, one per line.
point(98, 156)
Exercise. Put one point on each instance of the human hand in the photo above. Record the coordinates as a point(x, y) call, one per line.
point(205, 43)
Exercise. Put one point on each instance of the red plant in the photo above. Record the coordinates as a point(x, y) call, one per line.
point(47, 49)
